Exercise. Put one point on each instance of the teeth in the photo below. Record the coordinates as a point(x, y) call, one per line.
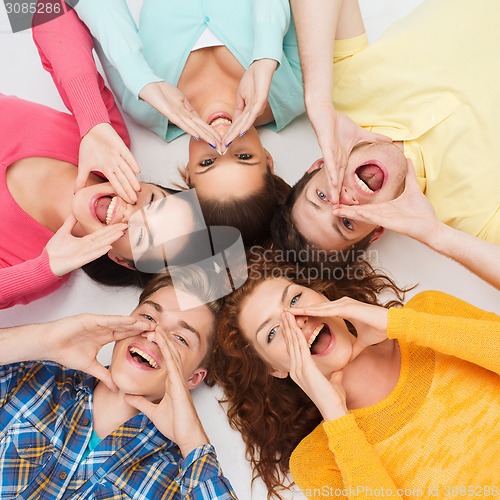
point(220, 120)
point(361, 184)
point(147, 357)
point(109, 213)
point(314, 334)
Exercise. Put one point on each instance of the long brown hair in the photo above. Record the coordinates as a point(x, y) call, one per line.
point(273, 414)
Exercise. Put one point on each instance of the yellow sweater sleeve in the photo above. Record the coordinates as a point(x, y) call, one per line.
point(363, 474)
point(449, 325)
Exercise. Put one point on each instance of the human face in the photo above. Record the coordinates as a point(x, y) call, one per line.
point(190, 331)
point(375, 173)
point(236, 174)
point(98, 205)
point(261, 322)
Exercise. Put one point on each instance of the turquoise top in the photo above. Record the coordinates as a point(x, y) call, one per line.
point(157, 50)
point(93, 442)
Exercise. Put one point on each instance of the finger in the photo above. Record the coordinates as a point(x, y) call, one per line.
point(290, 345)
point(68, 224)
point(81, 178)
point(130, 159)
point(239, 127)
point(103, 374)
point(367, 136)
point(169, 352)
point(142, 404)
point(128, 180)
point(195, 126)
point(368, 214)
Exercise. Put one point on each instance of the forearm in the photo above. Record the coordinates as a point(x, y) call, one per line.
point(22, 343)
point(112, 25)
point(449, 325)
point(479, 256)
point(318, 24)
point(21, 280)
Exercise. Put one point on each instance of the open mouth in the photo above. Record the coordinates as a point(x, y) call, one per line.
point(104, 208)
point(369, 177)
point(220, 118)
point(320, 340)
point(143, 357)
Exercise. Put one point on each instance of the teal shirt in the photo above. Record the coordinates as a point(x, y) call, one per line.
point(157, 49)
point(92, 444)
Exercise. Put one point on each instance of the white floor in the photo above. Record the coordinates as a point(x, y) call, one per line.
point(407, 261)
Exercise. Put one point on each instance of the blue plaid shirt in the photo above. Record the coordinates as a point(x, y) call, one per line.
point(45, 427)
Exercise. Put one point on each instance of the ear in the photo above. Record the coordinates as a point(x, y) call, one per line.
point(377, 234)
point(121, 262)
point(196, 378)
point(316, 165)
point(269, 161)
point(279, 373)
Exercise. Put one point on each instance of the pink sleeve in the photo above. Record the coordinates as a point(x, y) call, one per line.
point(65, 47)
point(26, 281)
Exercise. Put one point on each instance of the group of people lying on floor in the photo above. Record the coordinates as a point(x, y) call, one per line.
point(322, 378)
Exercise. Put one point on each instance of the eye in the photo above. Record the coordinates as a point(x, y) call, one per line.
point(206, 163)
point(149, 318)
point(244, 156)
point(150, 201)
point(295, 299)
point(180, 339)
point(322, 196)
point(271, 334)
point(348, 224)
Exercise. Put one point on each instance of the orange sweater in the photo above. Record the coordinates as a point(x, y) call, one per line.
point(437, 435)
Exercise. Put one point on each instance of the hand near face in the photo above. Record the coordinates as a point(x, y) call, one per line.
point(175, 415)
point(337, 135)
point(67, 252)
point(103, 150)
point(251, 98)
point(369, 320)
point(410, 214)
point(328, 395)
point(173, 104)
point(75, 341)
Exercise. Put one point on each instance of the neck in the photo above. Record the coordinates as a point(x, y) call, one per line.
point(377, 367)
point(110, 410)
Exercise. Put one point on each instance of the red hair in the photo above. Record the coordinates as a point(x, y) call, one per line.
point(273, 414)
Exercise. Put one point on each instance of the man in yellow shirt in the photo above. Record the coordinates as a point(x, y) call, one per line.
point(431, 85)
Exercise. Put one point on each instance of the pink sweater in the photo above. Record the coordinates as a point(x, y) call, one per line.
point(31, 130)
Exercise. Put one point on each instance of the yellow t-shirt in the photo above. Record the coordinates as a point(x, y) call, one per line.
point(432, 80)
point(437, 434)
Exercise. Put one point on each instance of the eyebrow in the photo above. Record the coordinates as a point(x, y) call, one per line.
point(241, 162)
point(154, 305)
point(191, 328)
point(265, 322)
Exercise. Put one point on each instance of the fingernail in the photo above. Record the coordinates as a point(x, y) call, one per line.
point(212, 146)
point(243, 133)
point(196, 138)
point(227, 145)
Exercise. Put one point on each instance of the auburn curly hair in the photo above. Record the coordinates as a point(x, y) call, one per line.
point(274, 414)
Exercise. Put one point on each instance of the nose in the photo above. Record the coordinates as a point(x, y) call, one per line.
point(347, 196)
point(301, 321)
point(126, 211)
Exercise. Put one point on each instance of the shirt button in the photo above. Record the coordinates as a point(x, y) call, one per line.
point(207, 19)
point(86, 422)
point(432, 118)
point(63, 475)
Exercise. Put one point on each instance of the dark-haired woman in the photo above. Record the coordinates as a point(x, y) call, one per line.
point(48, 230)
point(410, 404)
point(212, 71)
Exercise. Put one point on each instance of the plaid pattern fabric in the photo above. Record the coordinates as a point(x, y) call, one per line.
point(46, 424)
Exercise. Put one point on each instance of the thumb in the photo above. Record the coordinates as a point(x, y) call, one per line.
point(141, 403)
point(69, 224)
point(103, 374)
point(81, 179)
point(368, 136)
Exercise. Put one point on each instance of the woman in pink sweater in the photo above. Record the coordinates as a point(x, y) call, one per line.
point(48, 229)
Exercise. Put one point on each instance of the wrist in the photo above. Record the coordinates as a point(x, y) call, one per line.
point(194, 442)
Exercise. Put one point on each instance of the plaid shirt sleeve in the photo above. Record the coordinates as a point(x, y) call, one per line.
point(10, 375)
point(201, 476)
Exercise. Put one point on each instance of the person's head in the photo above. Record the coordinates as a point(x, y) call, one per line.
point(238, 188)
point(251, 361)
point(98, 205)
point(138, 366)
point(375, 173)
